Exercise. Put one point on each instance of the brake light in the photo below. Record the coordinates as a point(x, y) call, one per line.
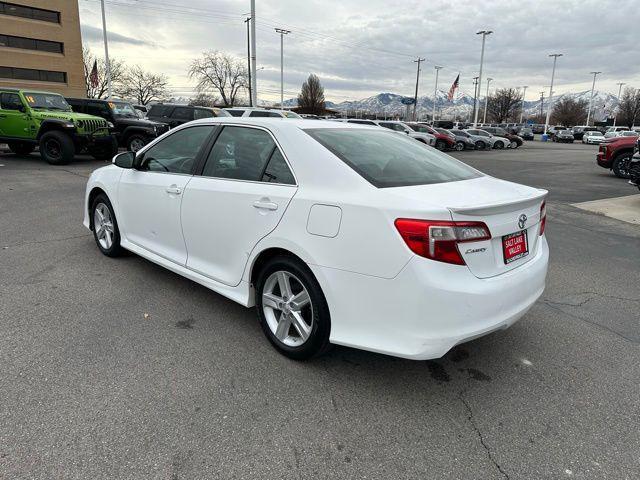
point(543, 216)
point(438, 240)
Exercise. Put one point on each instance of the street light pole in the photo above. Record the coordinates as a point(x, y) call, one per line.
point(107, 64)
point(435, 94)
point(484, 34)
point(282, 33)
point(524, 92)
point(254, 78)
point(553, 74)
point(593, 86)
point(415, 96)
point(486, 100)
point(620, 84)
point(475, 95)
point(249, 59)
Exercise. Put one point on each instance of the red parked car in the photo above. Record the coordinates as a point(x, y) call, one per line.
point(444, 141)
point(615, 154)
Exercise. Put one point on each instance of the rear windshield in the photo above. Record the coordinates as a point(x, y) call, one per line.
point(387, 159)
point(160, 111)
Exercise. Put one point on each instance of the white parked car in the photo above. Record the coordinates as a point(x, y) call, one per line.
point(259, 112)
point(483, 139)
point(335, 232)
point(397, 126)
point(593, 137)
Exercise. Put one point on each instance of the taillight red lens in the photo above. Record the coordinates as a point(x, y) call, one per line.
point(543, 216)
point(438, 240)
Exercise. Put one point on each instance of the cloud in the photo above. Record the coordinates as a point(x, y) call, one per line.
point(94, 34)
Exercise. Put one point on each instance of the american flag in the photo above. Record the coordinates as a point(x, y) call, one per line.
point(452, 90)
point(93, 77)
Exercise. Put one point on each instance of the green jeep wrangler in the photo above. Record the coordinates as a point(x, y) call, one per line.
point(44, 119)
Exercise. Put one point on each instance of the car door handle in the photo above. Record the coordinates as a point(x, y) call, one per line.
point(265, 205)
point(174, 190)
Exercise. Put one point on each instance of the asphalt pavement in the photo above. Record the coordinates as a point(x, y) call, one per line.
point(119, 369)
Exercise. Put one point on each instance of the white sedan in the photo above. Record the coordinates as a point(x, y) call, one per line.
point(337, 233)
point(593, 137)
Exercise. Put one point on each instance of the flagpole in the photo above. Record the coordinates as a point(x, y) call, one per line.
point(106, 51)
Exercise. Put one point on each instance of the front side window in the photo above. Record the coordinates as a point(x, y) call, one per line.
point(389, 160)
point(243, 153)
point(177, 152)
point(159, 111)
point(10, 101)
point(181, 113)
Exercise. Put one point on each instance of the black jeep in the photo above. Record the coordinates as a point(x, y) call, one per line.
point(132, 132)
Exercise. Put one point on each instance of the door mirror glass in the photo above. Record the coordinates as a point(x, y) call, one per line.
point(124, 159)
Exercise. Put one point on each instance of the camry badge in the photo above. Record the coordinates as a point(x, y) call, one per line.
point(522, 220)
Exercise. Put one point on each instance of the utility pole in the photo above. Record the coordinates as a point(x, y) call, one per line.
point(484, 34)
point(249, 59)
point(254, 79)
point(282, 33)
point(475, 96)
point(435, 95)
point(620, 84)
point(415, 96)
point(593, 86)
point(486, 100)
point(553, 74)
point(524, 92)
point(107, 64)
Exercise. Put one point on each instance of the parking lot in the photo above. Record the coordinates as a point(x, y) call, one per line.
point(122, 369)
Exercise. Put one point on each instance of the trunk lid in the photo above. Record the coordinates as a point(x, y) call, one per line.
point(501, 205)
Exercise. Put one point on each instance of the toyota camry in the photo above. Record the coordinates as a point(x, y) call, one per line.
point(337, 233)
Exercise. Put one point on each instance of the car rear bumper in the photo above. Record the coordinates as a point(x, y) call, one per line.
point(429, 307)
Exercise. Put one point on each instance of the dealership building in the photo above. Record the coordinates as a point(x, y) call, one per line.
point(41, 46)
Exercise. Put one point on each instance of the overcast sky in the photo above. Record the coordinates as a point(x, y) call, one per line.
point(360, 48)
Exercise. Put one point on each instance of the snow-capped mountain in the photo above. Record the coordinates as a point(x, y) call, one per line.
point(391, 104)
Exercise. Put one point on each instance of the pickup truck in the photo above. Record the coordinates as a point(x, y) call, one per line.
point(615, 154)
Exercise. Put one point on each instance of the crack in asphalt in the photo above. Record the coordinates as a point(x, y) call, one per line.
point(4, 247)
point(595, 324)
point(479, 433)
point(594, 295)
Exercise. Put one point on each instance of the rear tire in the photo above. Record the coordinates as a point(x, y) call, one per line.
point(480, 145)
point(276, 305)
point(459, 146)
point(136, 142)
point(513, 144)
point(499, 145)
point(21, 148)
point(441, 145)
point(106, 151)
point(57, 148)
point(620, 165)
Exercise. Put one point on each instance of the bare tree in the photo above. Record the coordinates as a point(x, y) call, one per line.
point(504, 104)
point(568, 112)
point(117, 74)
point(219, 73)
point(143, 86)
point(629, 107)
point(311, 98)
point(204, 100)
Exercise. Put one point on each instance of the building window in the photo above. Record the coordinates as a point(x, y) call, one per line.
point(31, 44)
point(32, 74)
point(29, 12)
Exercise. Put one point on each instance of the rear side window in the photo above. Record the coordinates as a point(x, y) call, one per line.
point(160, 111)
point(10, 101)
point(265, 114)
point(385, 159)
point(243, 153)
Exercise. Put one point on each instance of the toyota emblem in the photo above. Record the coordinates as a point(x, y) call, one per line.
point(522, 220)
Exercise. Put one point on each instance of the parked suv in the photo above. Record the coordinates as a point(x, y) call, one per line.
point(514, 140)
point(615, 154)
point(174, 115)
point(131, 131)
point(30, 119)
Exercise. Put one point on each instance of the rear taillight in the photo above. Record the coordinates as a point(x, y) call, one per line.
point(438, 240)
point(543, 217)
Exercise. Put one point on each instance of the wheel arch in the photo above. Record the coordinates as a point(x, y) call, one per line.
point(57, 125)
point(95, 191)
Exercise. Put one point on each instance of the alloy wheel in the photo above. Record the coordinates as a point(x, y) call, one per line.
point(287, 308)
point(53, 148)
point(136, 144)
point(103, 226)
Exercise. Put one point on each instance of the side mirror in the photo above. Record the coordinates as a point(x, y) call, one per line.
point(124, 160)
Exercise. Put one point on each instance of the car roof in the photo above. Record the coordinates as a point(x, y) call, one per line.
point(279, 123)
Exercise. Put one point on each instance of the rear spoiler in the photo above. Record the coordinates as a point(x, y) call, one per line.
point(500, 207)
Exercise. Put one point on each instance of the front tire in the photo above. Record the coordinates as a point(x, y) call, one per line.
point(136, 142)
point(441, 145)
point(105, 227)
point(292, 309)
point(513, 144)
point(57, 148)
point(480, 145)
point(21, 148)
point(621, 164)
point(498, 145)
point(459, 146)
